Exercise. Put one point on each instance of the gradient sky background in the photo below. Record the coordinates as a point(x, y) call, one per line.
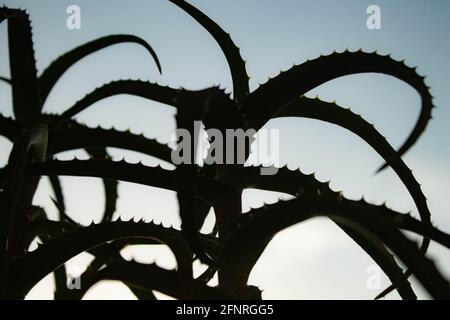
point(311, 260)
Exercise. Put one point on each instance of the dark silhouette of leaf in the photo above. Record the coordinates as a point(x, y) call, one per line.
point(57, 68)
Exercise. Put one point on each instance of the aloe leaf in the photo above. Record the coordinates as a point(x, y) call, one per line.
point(298, 184)
point(223, 39)
point(9, 128)
point(153, 277)
point(370, 222)
point(55, 252)
point(116, 170)
point(77, 136)
point(31, 145)
point(330, 112)
point(110, 186)
point(6, 80)
point(58, 67)
point(142, 89)
point(25, 95)
point(271, 97)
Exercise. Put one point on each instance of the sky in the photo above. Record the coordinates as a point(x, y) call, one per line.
point(312, 260)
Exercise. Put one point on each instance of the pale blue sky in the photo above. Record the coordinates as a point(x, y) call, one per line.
point(314, 259)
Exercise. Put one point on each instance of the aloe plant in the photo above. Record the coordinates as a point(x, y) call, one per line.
point(239, 238)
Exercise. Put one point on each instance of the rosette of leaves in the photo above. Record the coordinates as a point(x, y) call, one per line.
point(239, 238)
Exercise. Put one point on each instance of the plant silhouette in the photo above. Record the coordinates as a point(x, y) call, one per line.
point(238, 239)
